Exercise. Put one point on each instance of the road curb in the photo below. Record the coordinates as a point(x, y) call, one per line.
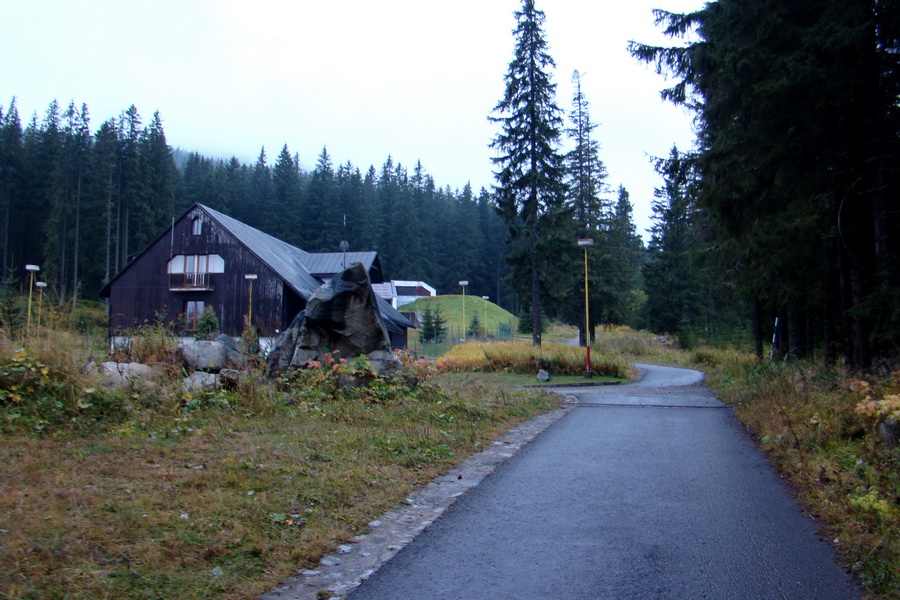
point(341, 572)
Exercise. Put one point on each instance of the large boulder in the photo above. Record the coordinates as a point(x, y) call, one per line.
point(341, 316)
point(122, 372)
point(279, 358)
point(212, 356)
point(201, 381)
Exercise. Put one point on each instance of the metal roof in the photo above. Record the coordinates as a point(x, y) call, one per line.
point(302, 271)
point(288, 261)
point(329, 264)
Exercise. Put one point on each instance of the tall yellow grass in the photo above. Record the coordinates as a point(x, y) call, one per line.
point(518, 357)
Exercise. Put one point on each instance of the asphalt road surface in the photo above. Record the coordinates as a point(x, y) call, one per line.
point(645, 491)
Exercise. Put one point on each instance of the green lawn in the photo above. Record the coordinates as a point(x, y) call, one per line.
point(452, 308)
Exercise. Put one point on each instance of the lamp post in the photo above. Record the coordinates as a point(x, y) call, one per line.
point(40, 285)
point(586, 243)
point(485, 298)
point(463, 285)
point(250, 277)
point(31, 271)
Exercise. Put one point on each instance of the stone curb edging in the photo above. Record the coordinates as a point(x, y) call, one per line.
point(340, 573)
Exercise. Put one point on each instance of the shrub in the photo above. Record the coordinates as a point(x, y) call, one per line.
point(208, 323)
point(40, 396)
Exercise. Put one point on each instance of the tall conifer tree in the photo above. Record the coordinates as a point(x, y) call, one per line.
point(798, 126)
point(530, 187)
point(10, 182)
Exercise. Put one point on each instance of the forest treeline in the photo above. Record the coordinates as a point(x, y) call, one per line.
point(791, 196)
point(80, 202)
point(784, 212)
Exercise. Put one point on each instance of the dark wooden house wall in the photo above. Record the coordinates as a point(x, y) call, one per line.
point(143, 290)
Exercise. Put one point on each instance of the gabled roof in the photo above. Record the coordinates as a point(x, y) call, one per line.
point(301, 271)
point(288, 261)
point(304, 271)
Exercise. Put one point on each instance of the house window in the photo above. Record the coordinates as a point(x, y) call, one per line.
point(196, 270)
point(193, 310)
point(197, 226)
point(193, 270)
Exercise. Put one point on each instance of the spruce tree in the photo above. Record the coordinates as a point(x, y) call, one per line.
point(676, 292)
point(440, 325)
point(529, 185)
point(585, 171)
point(322, 220)
point(426, 331)
point(11, 174)
point(284, 217)
point(798, 126)
point(261, 203)
point(77, 148)
point(622, 267)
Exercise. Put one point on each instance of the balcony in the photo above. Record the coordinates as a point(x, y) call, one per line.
point(190, 282)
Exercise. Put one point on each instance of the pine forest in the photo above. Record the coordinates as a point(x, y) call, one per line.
point(81, 202)
point(783, 218)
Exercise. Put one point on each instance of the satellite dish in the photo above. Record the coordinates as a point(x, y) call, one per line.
point(344, 245)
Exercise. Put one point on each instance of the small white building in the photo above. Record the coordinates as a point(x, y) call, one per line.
point(400, 293)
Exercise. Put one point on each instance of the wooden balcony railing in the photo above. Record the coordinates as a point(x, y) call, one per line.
point(181, 282)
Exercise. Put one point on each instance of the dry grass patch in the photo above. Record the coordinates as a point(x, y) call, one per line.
point(223, 495)
point(518, 357)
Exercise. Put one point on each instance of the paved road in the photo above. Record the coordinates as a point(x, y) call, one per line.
point(646, 491)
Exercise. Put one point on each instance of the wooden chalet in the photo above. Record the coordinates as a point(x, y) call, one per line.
point(210, 259)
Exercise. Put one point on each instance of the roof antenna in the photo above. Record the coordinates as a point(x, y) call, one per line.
point(344, 245)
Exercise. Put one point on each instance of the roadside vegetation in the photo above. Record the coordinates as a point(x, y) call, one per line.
point(516, 357)
point(146, 490)
point(828, 433)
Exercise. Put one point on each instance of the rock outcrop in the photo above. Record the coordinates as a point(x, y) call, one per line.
point(341, 316)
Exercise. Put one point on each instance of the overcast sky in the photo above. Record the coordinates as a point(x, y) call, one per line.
point(413, 79)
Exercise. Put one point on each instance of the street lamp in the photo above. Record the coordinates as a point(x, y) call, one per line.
point(250, 277)
point(586, 243)
point(463, 285)
point(485, 298)
point(31, 270)
point(40, 285)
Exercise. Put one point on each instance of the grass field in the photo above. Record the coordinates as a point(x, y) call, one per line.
point(147, 491)
point(451, 307)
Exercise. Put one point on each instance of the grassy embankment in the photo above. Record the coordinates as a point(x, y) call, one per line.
point(149, 491)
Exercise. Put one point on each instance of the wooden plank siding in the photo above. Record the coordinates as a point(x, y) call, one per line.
point(141, 293)
point(144, 291)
